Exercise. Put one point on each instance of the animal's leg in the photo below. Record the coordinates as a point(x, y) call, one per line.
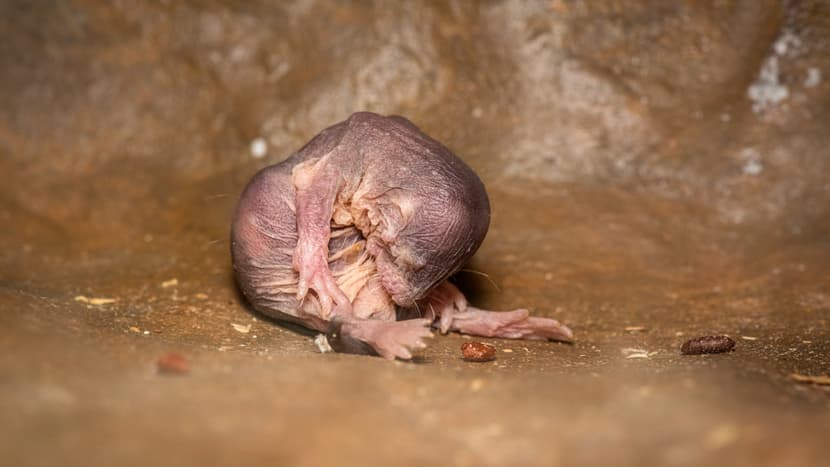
point(390, 339)
point(317, 184)
point(448, 305)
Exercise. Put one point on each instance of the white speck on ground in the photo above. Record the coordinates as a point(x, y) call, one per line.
point(95, 300)
point(243, 328)
point(752, 167)
point(767, 90)
point(322, 343)
point(631, 352)
point(813, 77)
point(786, 42)
point(259, 148)
point(752, 161)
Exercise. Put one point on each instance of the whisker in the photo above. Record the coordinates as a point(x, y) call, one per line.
point(485, 275)
point(210, 244)
point(417, 308)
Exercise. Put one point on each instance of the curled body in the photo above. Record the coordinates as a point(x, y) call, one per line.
point(363, 226)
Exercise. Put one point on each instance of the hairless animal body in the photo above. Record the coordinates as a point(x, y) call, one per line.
point(359, 230)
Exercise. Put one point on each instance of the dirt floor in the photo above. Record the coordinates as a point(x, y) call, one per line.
point(657, 170)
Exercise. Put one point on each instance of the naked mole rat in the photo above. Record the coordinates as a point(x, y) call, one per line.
point(356, 233)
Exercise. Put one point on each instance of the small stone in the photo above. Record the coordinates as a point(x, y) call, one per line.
point(172, 363)
point(478, 352)
point(707, 344)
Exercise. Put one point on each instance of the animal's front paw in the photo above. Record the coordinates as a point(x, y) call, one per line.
point(391, 339)
point(314, 274)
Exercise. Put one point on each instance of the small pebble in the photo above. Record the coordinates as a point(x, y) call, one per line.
point(478, 352)
point(172, 363)
point(708, 344)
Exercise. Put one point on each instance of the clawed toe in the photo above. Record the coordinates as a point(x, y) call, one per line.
point(398, 340)
point(516, 324)
point(325, 288)
point(391, 339)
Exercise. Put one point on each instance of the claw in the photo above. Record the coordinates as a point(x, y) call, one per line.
point(315, 275)
point(390, 339)
point(446, 320)
point(302, 289)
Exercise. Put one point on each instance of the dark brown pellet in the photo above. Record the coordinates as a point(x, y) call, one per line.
point(172, 363)
point(708, 344)
point(478, 352)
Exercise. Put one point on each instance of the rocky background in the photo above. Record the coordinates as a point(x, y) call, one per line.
point(658, 170)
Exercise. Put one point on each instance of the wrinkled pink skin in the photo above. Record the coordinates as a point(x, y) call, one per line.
point(371, 216)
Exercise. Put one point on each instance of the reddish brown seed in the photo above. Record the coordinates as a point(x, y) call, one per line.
point(478, 352)
point(172, 363)
point(707, 344)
